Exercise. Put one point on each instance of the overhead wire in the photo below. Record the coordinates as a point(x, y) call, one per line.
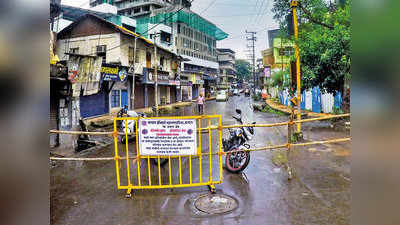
point(255, 10)
point(209, 5)
point(260, 11)
point(152, 27)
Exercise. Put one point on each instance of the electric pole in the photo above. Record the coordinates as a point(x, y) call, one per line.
point(155, 73)
point(252, 39)
point(294, 4)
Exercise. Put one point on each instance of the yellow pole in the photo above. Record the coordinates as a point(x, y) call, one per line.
point(127, 153)
point(210, 147)
point(296, 35)
point(116, 155)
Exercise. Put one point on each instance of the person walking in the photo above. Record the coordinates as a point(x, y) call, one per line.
point(200, 103)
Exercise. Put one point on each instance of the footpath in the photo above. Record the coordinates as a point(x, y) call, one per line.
point(108, 119)
point(285, 109)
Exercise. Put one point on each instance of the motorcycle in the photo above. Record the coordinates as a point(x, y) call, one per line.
point(237, 160)
point(130, 127)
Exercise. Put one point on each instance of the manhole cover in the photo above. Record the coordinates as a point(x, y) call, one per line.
point(215, 203)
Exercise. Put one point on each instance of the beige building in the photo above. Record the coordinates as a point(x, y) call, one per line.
point(90, 35)
point(227, 71)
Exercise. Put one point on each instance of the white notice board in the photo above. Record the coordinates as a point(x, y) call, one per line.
point(167, 137)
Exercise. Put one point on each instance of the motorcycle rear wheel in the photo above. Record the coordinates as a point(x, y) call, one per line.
point(230, 161)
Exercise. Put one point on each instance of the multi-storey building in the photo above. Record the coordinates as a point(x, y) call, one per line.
point(180, 30)
point(137, 8)
point(227, 72)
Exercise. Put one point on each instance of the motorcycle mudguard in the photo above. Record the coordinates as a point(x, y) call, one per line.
point(236, 147)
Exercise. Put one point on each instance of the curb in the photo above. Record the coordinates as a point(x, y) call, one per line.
point(307, 114)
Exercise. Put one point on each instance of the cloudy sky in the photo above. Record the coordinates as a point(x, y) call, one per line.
point(232, 16)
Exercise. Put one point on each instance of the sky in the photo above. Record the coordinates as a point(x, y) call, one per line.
point(233, 17)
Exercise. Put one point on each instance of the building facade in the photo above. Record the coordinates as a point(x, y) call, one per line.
point(185, 33)
point(227, 71)
point(127, 69)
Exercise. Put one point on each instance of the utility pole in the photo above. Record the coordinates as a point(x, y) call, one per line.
point(294, 4)
point(251, 47)
point(133, 68)
point(155, 73)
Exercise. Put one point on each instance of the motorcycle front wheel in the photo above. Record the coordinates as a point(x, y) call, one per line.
point(237, 161)
point(163, 161)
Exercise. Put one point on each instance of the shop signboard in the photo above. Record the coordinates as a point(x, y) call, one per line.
point(110, 72)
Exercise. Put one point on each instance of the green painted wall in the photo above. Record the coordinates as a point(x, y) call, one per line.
point(279, 44)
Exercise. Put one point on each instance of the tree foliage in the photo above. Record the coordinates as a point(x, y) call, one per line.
point(324, 41)
point(280, 79)
point(243, 69)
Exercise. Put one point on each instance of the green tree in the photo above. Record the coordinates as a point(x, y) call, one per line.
point(324, 41)
point(243, 69)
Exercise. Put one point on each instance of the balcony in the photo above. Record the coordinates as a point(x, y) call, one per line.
point(129, 5)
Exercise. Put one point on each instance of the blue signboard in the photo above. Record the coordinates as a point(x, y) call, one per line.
point(110, 72)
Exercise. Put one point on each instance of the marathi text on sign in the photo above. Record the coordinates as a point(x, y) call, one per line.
point(167, 137)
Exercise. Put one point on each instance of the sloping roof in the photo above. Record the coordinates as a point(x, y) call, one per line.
point(112, 25)
point(117, 28)
point(72, 13)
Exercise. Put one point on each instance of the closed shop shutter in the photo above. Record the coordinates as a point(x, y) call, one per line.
point(53, 122)
point(94, 105)
point(139, 96)
point(173, 94)
point(150, 91)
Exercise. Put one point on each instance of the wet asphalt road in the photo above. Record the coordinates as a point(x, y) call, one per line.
point(86, 193)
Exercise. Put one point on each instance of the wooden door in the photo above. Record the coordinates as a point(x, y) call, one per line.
point(148, 59)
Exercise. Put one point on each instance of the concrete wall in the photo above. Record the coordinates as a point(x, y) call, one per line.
point(87, 46)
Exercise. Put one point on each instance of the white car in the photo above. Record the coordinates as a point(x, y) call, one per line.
point(236, 92)
point(222, 96)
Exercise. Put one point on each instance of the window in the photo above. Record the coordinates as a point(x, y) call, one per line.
point(165, 37)
point(101, 51)
point(131, 54)
point(74, 50)
point(115, 98)
point(179, 28)
point(162, 61)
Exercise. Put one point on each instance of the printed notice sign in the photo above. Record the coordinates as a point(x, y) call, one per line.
point(167, 137)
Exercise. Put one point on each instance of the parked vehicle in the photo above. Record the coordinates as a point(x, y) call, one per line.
point(247, 92)
point(237, 160)
point(235, 92)
point(130, 127)
point(222, 96)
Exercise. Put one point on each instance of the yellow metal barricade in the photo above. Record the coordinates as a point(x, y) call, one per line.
point(202, 169)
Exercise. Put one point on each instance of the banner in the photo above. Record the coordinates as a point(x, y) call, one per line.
point(167, 137)
point(267, 72)
point(111, 72)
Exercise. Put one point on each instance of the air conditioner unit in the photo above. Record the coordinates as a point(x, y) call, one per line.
point(101, 48)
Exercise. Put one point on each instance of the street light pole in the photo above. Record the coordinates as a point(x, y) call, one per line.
point(294, 4)
point(155, 74)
